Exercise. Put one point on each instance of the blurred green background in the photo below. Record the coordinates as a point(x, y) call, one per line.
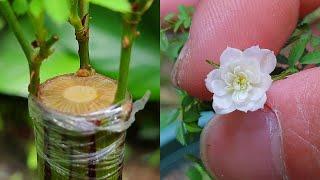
point(17, 151)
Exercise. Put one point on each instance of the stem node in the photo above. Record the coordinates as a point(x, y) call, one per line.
point(125, 42)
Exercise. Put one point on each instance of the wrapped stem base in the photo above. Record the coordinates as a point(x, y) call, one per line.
point(80, 147)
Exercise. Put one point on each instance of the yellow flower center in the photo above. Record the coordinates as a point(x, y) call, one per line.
point(240, 82)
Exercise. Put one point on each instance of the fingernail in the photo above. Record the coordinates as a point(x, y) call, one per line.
point(243, 146)
point(178, 69)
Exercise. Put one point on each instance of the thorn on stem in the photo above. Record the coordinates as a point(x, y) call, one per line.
point(137, 34)
point(135, 6)
point(32, 74)
point(84, 20)
point(125, 42)
point(83, 73)
point(52, 40)
point(35, 44)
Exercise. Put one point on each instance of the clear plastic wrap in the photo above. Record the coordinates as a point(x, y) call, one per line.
point(82, 147)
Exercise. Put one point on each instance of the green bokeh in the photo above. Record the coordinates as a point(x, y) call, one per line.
point(105, 38)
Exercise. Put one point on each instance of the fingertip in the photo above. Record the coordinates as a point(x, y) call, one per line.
point(243, 146)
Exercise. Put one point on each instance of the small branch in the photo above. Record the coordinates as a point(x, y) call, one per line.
point(84, 10)
point(130, 23)
point(282, 66)
point(12, 20)
point(81, 26)
point(74, 19)
point(282, 75)
point(312, 17)
point(215, 65)
point(128, 36)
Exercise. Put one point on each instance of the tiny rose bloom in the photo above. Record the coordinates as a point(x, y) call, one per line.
point(242, 80)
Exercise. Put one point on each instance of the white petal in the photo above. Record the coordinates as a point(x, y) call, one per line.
point(239, 96)
point(268, 62)
point(252, 76)
point(229, 55)
point(260, 103)
point(228, 78)
point(219, 87)
point(214, 74)
point(244, 108)
point(252, 51)
point(222, 102)
point(256, 94)
point(265, 57)
point(223, 111)
point(265, 82)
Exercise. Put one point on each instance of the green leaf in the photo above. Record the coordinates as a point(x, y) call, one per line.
point(175, 45)
point(193, 127)
point(187, 100)
point(2, 23)
point(298, 49)
point(198, 170)
point(312, 17)
point(20, 6)
point(193, 173)
point(36, 7)
point(122, 6)
point(169, 116)
point(154, 158)
point(58, 10)
point(311, 58)
point(164, 43)
point(315, 41)
point(169, 17)
point(181, 134)
point(177, 25)
point(191, 115)
point(32, 157)
point(184, 16)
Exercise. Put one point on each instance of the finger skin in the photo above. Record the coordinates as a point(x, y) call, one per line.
point(307, 6)
point(169, 6)
point(234, 23)
point(286, 131)
point(243, 146)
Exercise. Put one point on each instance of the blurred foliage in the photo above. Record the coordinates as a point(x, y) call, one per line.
point(32, 157)
point(59, 10)
point(197, 170)
point(154, 158)
point(105, 42)
point(177, 25)
point(116, 5)
point(105, 32)
point(16, 176)
point(20, 6)
point(299, 41)
point(173, 35)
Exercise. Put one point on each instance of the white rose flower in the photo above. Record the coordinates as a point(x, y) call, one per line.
point(242, 79)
